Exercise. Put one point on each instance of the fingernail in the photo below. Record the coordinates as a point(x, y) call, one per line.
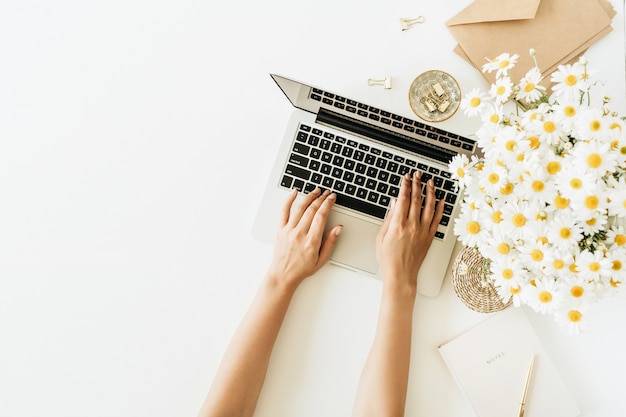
point(338, 230)
point(431, 183)
point(333, 196)
point(392, 203)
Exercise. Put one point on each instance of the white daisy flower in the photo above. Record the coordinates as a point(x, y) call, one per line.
point(557, 263)
point(593, 266)
point(573, 183)
point(529, 88)
point(494, 177)
point(595, 223)
point(617, 257)
point(573, 318)
point(549, 130)
point(515, 219)
point(538, 186)
point(616, 236)
point(594, 157)
point(468, 228)
point(564, 233)
point(473, 103)
point(501, 64)
point(458, 168)
point(593, 125)
point(591, 205)
point(565, 114)
point(577, 291)
point(570, 80)
point(533, 255)
point(543, 297)
point(501, 90)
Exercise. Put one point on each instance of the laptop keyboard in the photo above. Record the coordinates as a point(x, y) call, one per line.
point(363, 177)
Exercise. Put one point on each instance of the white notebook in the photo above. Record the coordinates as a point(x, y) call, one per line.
point(490, 364)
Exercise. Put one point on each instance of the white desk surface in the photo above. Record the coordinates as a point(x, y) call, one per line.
point(126, 259)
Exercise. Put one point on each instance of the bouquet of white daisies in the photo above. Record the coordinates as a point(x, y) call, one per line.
point(546, 202)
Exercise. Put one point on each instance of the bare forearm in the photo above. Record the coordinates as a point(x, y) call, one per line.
point(237, 385)
point(383, 385)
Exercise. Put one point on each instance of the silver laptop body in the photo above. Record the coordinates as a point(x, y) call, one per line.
point(332, 141)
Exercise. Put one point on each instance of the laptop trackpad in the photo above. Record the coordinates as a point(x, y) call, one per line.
point(356, 246)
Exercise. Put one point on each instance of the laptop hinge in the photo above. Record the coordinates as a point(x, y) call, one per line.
point(380, 134)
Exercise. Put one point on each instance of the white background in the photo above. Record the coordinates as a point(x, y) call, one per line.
point(136, 138)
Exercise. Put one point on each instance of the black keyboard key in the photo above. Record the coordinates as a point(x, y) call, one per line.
point(451, 198)
point(394, 179)
point(299, 172)
point(301, 148)
point(348, 176)
point(381, 163)
point(349, 164)
point(447, 209)
point(299, 160)
point(327, 182)
point(376, 151)
point(360, 206)
point(335, 147)
point(350, 189)
point(309, 187)
point(326, 169)
point(314, 165)
point(340, 139)
point(347, 151)
point(325, 144)
point(392, 167)
point(394, 191)
point(449, 185)
point(337, 172)
point(372, 197)
point(438, 181)
point(384, 201)
point(361, 168)
point(371, 172)
point(444, 220)
point(298, 185)
point(359, 155)
point(362, 113)
point(370, 159)
point(383, 176)
point(316, 178)
point(302, 137)
point(315, 153)
point(467, 147)
point(359, 180)
point(327, 157)
point(361, 192)
point(306, 128)
point(339, 186)
point(338, 161)
point(286, 181)
point(439, 235)
point(370, 184)
point(382, 188)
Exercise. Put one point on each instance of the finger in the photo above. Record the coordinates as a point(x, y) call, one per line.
point(329, 244)
point(297, 212)
point(284, 217)
point(320, 218)
point(429, 205)
point(416, 196)
point(437, 217)
point(402, 205)
point(309, 213)
point(385, 226)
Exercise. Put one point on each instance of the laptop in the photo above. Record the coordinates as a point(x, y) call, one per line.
point(360, 152)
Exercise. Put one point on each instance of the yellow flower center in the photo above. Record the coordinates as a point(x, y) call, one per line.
point(549, 126)
point(538, 186)
point(569, 111)
point(553, 167)
point(536, 255)
point(515, 290)
point(592, 221)
point(574, 316)
point(571, 80)
point(594, 160)
point(545, 296)
point(561, 202)
point(616, 125)
point(565, 232)
point(500, 90)
point(591, 202)
point(575, 183)
point(573, 268)
point(620, 240)
point(510, 145)
point(504, 248)
point(529, 87)
point(577, 291)
point(594, 266)
point(494, 118)
point(519, 220)
point(504, 63)
point(534, 142)
point(496, 216)
point(595, 125)
point(493, 178)
point(508, 189)
point(617, 265)
point(507, 273)
point(558, 264)
point(475, 102)
point(473, 227)
point(460, 172)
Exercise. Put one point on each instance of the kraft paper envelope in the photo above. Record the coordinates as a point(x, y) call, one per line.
point(558, 30)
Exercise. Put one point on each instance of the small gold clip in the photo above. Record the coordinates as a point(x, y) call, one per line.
point(406, 23)
point(386, 82)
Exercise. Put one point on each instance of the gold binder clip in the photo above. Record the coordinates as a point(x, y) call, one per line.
point(386, 82)
point(407, 23)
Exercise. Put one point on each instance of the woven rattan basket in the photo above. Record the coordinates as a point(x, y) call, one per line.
point(470, 284)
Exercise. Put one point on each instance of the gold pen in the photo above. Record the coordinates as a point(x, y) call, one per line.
point(522, 405)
